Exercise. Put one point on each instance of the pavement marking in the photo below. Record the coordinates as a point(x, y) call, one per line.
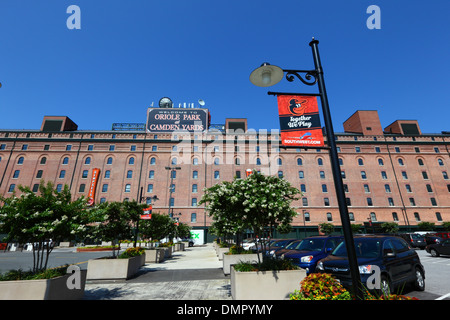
point(443, 297)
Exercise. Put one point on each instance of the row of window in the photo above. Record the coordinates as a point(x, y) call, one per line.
point(369, 200)
point(373, 216)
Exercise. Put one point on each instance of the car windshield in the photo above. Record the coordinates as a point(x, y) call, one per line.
point(416, 236)
point(293, 245)
point(309, 245)
point(279, 243)
point(365, 248)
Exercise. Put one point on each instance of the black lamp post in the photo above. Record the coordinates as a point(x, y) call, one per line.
point(268, 75)
point(154, 198)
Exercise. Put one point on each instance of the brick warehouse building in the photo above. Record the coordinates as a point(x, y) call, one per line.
point(396, 174)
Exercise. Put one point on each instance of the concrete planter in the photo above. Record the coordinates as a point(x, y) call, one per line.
point(45, 289)
point(179, 246)
point(265, 285)
point(221, 251)
point(167, 252)
point(232, 259)
point(114, 268)
point(154, 255)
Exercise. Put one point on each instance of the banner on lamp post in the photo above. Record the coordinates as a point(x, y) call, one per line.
point(299, 121)
point(147, 213)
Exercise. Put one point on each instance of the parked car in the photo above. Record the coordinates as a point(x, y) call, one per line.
point(432, 239)
point(291, 246)
point(189, 241)
point(415, 240)
point(278, 244)
point(399, 264)
point(310, 250)
point(443, 235)
point(437, 249)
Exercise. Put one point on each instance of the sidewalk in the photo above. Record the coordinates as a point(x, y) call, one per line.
point(193, 274)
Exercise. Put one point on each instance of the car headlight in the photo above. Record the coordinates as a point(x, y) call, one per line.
point(306, 258)
point(320, 266)
point(366, 269)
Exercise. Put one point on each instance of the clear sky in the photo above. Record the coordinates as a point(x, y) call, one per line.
point(129, 54)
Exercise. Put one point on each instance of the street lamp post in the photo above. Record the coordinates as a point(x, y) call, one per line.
point(268, 75)
point(171, 170)
point(154, 198)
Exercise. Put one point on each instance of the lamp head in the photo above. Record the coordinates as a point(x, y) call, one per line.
point(266, 75)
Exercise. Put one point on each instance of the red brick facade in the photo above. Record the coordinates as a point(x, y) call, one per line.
point(388, 176)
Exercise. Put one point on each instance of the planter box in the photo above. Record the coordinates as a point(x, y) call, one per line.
point(221, 251)
point(45, 289)
point(167, 252)
point(179, 246)
point(114, 268)
point(232, 259)
point(265, 285)
point(154, 255)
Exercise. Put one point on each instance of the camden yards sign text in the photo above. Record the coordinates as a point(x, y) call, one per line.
point(299, 121)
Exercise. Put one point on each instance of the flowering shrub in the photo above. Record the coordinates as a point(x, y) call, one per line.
point(320, 286)
point(323, 286)
point(132, 252)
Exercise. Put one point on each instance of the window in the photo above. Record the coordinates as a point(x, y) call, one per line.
point(343, 174)
point(105, 187)
point(348, 201)
point(387, 188)
point(258, 161)
point(16, 174)
point(127, 187)
point(39, 174)
point(171, 202)
point(195, 161)
point(133, 148)
point(237, 161)
point(238, 174)
point(2, 146)
point(380, 162)
point(193, 217)
point(35, 187)
point(440, 162)
point(112, 147)
point(377, 149)
point(417, 216)
point(194, 188)
point(174, 174)
point(172, 188)
point(43, 160)
point(360, 162)
point(174, 161)
point(59, 187)
point(420, 162)
point(373, 217)
point(151, 174)
point(404, 175)
point(109, 160)
point(20, 161)
point(107, 174)
point(154, 148)
point(445, 175)
point(400, 162)
point(68, 147)
point(62, 174)
point(341, 162)
point(417, 149)
point(366, 188)
point(150, 188)
point(131, 161)
point(129, 174)
point(82, 187)
point(324, 188)
point(397, 149)
point(351, 216)
point(433, 202)
point(216, 175)
point(90, 147)
point(280, 174)
point(383, 175)
point(363, 175)
point(153, 161)
point(299, 162)
point(65, 160)
point(195, 174)
point(11, 187)
point(279, 161)
point(391, 202)
point(394, 216)
point(301, 175)
point(412, 202)
point(408, 188)
point(87, 160)
point(357, 149)
point(326, 202)
point(322, 174)
point(438, 216)
point(436, 149)
point(194, 202)
point(425, 175)
point(303, 187)
point(216, 161)
point(306, 216)
point(305, 201)
point(320, 162)
point(369, 201)
point(329, 216)
point(429, 189)
point(84, 174)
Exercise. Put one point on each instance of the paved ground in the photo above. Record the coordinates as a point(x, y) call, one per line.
point(193, 274)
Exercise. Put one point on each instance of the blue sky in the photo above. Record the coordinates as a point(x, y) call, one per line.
point(129, 54)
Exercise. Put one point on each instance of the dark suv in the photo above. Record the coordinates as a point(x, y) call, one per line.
point(398, 263)
point(414, 239)
point(310, 250)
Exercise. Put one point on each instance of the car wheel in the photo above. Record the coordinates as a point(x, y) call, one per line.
point(434, 253)
point(419, 284)
point(385, 286)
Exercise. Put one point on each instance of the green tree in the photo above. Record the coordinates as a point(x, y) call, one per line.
point(133, 211)
point(259, 203)
point(45, 218)
point(390, 227)
point(446, 226)
point(326, 228)
point(426, 226)
point(158, 227)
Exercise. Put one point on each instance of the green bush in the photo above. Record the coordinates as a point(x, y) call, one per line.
point(132, 252)
point(30, 275)
point(267, 264)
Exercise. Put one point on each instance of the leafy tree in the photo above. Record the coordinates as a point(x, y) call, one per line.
point(183, 230)
point(356, 228)
point(158, 227)
point(426, 226)
point(446, 226)
point(390, 227)
point(44, 219)
point(259, 203)
point(134, 210)
point(326, 228)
